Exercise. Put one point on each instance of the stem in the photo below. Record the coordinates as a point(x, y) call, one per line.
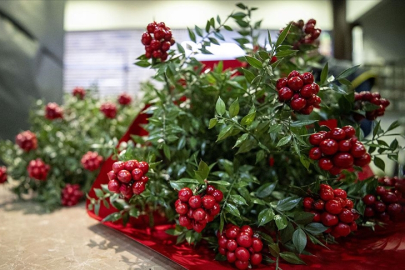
point(227, 195)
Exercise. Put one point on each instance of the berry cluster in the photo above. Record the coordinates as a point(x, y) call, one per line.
point(37, 169)
point(157, 40)
point(124, 99)
point(128, 178)
point(338, 149)
point(3, 174)
point(195, 210)
point(53, 111)
point(374, 98)
point(26, 140)
point(91, 161)
point(71, 195)
point(299, 91)
point(240, 246)
point(334, 210)
point(109, 110)
point(79, 92)
point(308, 30)
point(386, 203)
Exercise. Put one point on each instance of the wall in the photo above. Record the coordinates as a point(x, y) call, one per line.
point(103, 15)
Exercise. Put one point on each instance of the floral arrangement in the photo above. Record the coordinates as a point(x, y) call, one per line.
point(239, 159)
point(51, 162)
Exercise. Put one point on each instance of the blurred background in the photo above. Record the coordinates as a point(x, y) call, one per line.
point(49, 47)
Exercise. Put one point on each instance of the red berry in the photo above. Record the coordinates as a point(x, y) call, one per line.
point(231, 245)
point(159, 33)
point(308, 201)
point(389, 197)
point(124, 176)
point(111, 175)
point(346, 216)
point(168, 35)
point(71, 195)
point(109, 110)
point(342, 229)
point(345, 145)
point(327, 194)
point(368, 212)
point(315, 153)
point(257, 244)
point(241, 265)
point(329, 146)
point(319, 205)
point(363, 160)
point(244, 240)
point(316, 138)
point(380, 190)
point(307, 91)
point(144, 179)
point(298, 103)
point(218, 195)
point(195, 201)
point(325, 164)
point(379, 206)
point(333, 207)
point(350, 131)
point(155, 45)
point(146, 38)
point(126, 191)
point(26, 140)
point(137, 174)
point(210, 189)
point(231, 257)
point(165, 46)
point(394, 209)
point(353, 226)
point(181, 208)
point(309, 27)
point(256, 259)
point(285, 94)
point(358, 150)
point(335, 170)
point(384, 217)
point(242, 254)
point(343, 160)
point(130, 165)
point(185, 194)
point(222, 251)
point(308, 78)
point(222, 241)
point(118, 166)
point(114, 186)
point(273, 59)
point(307, 110)
point(199, 214)
point(232, 232)
point(293, 73)
point(340, 193)
point(314, 100)
point(214, 210)
point(185, 222)
point(316, 33)
point(328, 219)
point(337, 134)
point(246, 229)
point(281, 83)
point(144, 166)
point(157, 54)
point(151, 27)
point(317, 217)
point(139, 187)
point(198, 227)
point(369, 199)
point(295, 83)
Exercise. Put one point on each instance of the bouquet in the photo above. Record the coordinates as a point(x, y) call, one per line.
point(241, 159)
point(56, 160)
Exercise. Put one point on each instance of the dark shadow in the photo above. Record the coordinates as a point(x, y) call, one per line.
point(120, 242)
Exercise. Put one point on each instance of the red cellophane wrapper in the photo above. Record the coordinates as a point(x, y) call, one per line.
point(380, 249)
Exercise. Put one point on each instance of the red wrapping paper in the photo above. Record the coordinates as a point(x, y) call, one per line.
point(383, 249)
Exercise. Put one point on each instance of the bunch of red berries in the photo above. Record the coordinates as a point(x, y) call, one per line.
point(124, 99)
point(109, 110)
point(71, 195)
point(157, 40)
point(26, 140)
point(37, 169)
point(53, 111)
point(196, 210)
point(386, 203)
point(3, 174)
point(240, 246)
point(128, 178)
point(299, 91)
point(91, 161)
point(79, 92)
point(334, 210)
point(308, 30)
point(374, 98)
point(338, 149)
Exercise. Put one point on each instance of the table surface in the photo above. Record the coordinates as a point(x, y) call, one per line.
point(66, 239)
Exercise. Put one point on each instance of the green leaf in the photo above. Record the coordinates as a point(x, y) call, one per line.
point(220, 106)
point(265, 216)
point(191, 34)
point(275, 128)
point(274, 249)
point(214, 40)
point(225, 133)
point(248, 75)
point(303, 217)
point(142, 63)
point(237, 198)
point(260, 156)
point(248, 119)
point(112, 217)
point(241, 6)
point(299, 240)
point(234, 109)
point(227, 27)
point(254, 62)
point(97, 208)
point(283, 35)
point(347, 72)
point(284, 140)
point(287, 203)
point(213, 122)
point(134, 212)
point(379, 163)
point(303, 123)
point(265, 190)
point(305, 161)
point(99, 192)
point(315, 228)
point(241, 139)
point(232, 209)
point(218, 19)
point(166, 151)
point(324, 73)
point(281, 222)
point(291, 258)
point(394, 125)
point(286, 53)
point(180, 48)
point(198, 31)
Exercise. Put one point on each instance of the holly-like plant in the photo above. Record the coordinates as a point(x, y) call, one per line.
point(51, 162)
point(249, 135)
